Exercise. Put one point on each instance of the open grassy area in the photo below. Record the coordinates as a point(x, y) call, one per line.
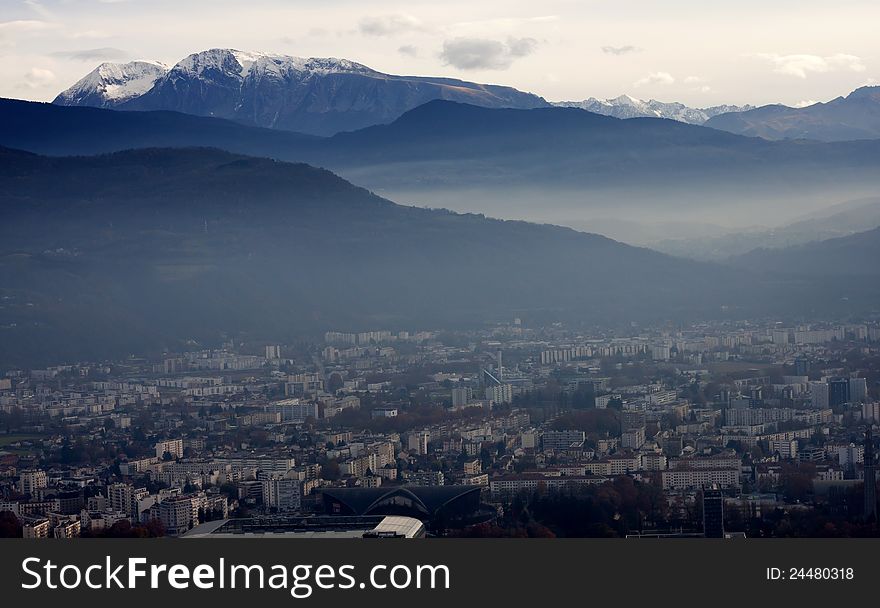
point(6, 440)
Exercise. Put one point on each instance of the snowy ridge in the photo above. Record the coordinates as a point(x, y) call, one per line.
point(626, 106)
point(112, 83)
point(314, 95)
point(241, 63)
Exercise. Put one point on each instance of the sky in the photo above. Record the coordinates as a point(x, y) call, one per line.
point(697, 52)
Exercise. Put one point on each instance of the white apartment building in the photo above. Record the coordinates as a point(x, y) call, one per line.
point(282, 494)
point(171, 446)
point(697, 478)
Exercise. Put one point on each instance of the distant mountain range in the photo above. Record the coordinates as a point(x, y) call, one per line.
point(850, 259)
point(716, 243)
point(324, 96)
point(630, 107)
point(144, 249)
point(541, 164)
point(856, 116)
point(319, 96)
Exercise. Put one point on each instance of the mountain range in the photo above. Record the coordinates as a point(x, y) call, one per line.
point(630, 107)
point(849, 260)
point(544, 164)
point(159, 239)
point(717, 243)
point(145, 249)
point(856, 116)
point(324, 96)
point(319, 96)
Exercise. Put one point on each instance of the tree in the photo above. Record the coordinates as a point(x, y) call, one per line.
point(334, 382)
point(9, 525)
point(797, 481)
point(331, 471)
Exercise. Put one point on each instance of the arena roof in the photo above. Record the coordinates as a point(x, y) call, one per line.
point(429, 499)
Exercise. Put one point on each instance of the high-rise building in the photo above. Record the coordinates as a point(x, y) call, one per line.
point(838, 391)
point(801, 366)
point(633, 438)
point(871, 412)
point(176, 514)
point(819, 395)
point(713, 513)
point(500, 393)
point(858, 390)
point(462, 396)
point(121, 497)
point(31, 481)
point(172, 446)
point(282, 494)
point(780, 337)
point(870, 478)
point(850, 455)
point(419, 442)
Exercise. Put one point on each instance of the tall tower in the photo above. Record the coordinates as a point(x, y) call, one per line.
point(713, 512)
point(870, 478)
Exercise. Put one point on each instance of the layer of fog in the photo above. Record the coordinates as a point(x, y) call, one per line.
point(699, 222)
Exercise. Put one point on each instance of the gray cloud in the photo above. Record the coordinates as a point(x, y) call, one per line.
point(409, 50)
point(620, 50)
point(483, 54)
point(389, 25)
point(102, 54)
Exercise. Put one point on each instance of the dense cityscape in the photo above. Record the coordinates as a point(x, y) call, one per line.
point(716, 429)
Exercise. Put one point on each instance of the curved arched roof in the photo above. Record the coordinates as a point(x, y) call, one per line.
point(429, 498)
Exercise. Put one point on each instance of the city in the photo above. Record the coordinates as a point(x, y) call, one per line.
point(717, 429)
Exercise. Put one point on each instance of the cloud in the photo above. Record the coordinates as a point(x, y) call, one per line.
point(805, 103)
point(90, 55)
point(620, 50)
point(38, 77)
point(802, 65)
point(409, 50)
point(655, 78)
point(389, 25)
point(25, 26)
point(483, 54)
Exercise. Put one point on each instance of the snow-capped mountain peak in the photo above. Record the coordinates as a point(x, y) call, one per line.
point(625, 100)
point(316, 95)
point(113, 83)
point(626, 106)
point(230, 61)
point(241, 63)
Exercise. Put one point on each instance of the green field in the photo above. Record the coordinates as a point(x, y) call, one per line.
point(6, 440)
